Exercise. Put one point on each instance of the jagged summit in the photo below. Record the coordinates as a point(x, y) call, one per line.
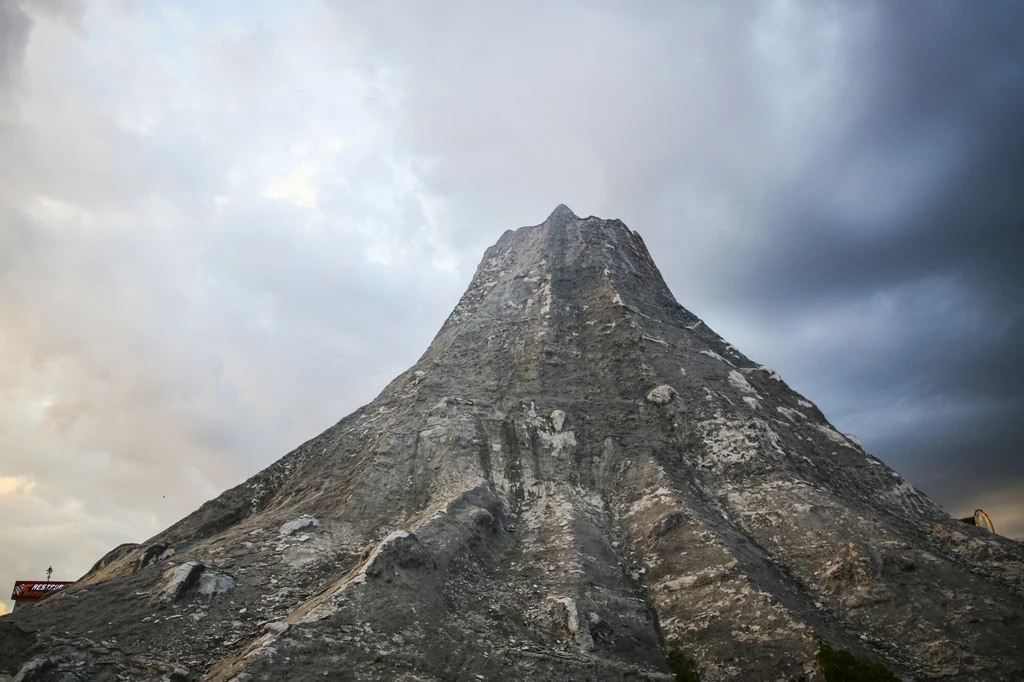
point(561, 212)
point(577, 478)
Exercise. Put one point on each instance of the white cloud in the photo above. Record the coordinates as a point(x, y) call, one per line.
point(152, 307)
point(16, 485)
point(56, 214)
point(297, 187)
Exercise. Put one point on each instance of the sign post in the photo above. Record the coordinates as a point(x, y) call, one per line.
point(27, 592)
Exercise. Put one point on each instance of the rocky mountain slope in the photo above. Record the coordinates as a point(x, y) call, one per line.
point(577, 481)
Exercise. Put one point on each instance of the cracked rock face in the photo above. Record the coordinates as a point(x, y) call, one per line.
point(577, 477)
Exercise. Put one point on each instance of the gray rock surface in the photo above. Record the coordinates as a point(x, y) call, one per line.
point(576, 477)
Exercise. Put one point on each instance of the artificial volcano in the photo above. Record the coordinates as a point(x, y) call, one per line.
point(579, 480)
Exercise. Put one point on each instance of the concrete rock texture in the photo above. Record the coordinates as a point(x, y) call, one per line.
point(577, 477)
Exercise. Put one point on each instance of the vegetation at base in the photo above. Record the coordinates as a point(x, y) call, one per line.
point(839, 665)
point(683, 668)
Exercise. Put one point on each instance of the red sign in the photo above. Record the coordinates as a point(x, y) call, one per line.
point(37, 589)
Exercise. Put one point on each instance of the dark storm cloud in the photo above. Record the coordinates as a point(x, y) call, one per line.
point(944, 105)
point(938, 140)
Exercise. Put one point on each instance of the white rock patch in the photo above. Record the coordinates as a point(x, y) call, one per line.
point(372, 559)
point(572, 616)
point(207, 582)
point(728, 442)
point(177, 579)
point(791, 414)
point(295, 525)
point(740, 382)
point(716, 356)
point(214, 582)
point(545, 292)
point(833, 435)
point(661, 395)
point(558, 441)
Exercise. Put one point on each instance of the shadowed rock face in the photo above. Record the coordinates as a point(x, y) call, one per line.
point(576, 477)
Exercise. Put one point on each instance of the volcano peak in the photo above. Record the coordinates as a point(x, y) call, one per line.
point(577, 480)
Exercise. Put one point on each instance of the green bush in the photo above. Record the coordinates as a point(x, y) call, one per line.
point(682, 666)
point(839, 665)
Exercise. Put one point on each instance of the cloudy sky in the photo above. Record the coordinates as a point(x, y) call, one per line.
point(223, 226)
